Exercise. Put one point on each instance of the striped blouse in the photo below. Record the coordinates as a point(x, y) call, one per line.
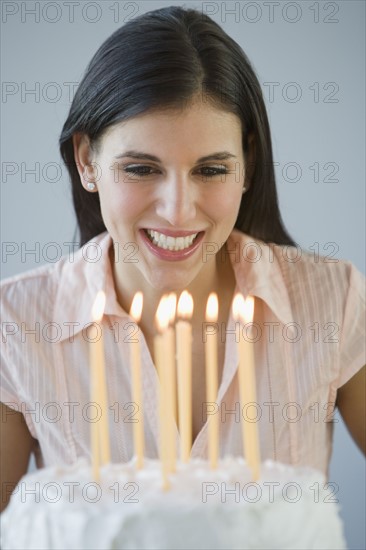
point(308, 329)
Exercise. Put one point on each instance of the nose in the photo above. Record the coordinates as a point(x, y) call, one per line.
point(177, 200)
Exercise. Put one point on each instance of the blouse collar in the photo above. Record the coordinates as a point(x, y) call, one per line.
point(257, 268)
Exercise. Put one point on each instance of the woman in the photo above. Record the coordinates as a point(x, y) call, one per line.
point(168, 148)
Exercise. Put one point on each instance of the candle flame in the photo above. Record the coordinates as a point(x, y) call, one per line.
point(98, 306)
point(136, 307)
point(212, 308)
point(172, 300)
point(163, 313)
point(248, 311)
point(243, 310)
point(185, 305)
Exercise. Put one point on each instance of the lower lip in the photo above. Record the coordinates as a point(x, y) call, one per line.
point(172, 255)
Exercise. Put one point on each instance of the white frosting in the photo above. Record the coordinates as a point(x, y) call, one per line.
point(288, 508)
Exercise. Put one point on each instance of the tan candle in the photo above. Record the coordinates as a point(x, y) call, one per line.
point(243, 311)
point(138, 427)
point(162, 322)
point(184, 364)
point(212, 379)
point(100, 429)
point(169, 337)
point(94, 426)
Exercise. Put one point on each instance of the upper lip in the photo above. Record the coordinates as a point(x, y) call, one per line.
point(174, 233)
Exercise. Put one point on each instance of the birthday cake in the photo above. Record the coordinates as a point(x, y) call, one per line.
point(62, 507)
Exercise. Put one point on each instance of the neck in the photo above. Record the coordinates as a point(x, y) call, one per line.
point(218, 276)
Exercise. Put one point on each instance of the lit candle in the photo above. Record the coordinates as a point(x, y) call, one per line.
point(244, 312)
point(138, 427)
point(212, 378)
point(99, 429)
point(169, 336)
point(94, 426)
point(162, 322)
point(184, 363)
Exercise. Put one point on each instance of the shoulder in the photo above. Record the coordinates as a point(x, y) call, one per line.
point(53, 291)
point(321, 276)
point(26, 295)
point(28, 278)
point(309, 267)
point(31, 279)
point(293, 261)
point(47, 278)
point(309, 281)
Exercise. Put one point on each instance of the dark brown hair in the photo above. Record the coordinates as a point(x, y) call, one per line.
point(163, 59)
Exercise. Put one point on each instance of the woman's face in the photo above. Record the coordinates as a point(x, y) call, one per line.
point(170, 185)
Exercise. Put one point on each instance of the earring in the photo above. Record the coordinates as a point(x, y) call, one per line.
point(91, 186)
point(244, 190)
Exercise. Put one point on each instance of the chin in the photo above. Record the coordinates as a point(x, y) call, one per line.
point(174, 282)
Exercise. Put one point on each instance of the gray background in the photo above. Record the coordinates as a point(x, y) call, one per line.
point(309, 54)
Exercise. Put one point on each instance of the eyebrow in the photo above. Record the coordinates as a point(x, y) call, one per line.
point(221, 155)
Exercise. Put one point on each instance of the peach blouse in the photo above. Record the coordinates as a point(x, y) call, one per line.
point(309, 328)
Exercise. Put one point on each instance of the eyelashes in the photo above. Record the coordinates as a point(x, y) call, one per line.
point(144, 171)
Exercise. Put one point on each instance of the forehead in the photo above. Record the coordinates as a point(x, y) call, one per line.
point(199, 125)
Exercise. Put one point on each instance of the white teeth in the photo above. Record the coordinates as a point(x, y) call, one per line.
point(179, 242)
point(171, 243)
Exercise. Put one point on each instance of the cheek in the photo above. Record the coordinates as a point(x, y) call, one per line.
point(225, 205)
point(119, 201)
point(121, 206)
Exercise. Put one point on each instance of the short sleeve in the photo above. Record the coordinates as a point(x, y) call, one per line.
point(9, 388)
point(352, 344)
point(13, 376)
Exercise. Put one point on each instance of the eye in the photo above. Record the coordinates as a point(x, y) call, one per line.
point(136, 171)
point(212, 171)
point(139, 170)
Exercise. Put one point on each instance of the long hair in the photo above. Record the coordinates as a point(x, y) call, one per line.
point(161, 60)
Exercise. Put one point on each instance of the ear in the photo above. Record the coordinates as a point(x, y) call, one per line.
point(83, 160)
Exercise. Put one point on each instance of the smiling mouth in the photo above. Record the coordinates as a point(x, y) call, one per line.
point(167, 242)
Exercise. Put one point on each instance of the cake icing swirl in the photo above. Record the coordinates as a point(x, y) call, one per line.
point(62, 507)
